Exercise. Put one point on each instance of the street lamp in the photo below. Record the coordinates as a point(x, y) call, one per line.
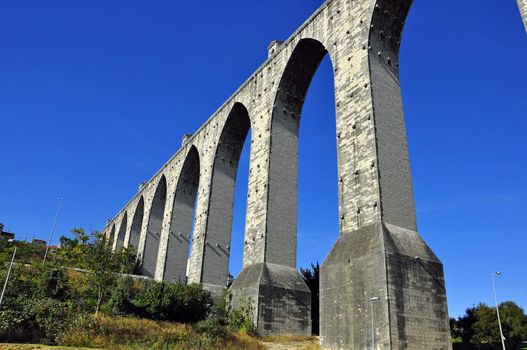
point(8, 273)
point(52, 230)
point(497, 273)
point(372, 322)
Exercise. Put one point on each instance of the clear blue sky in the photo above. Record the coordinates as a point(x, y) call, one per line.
point(95, 96)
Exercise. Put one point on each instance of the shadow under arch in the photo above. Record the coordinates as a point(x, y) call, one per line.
point(121, 233)
point(221, 200)
point(155, 224)
point(111, 236)
point(137, 224)
point(180, 235)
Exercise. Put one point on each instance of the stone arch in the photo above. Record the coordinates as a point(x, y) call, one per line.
point(282, 292)
point(282, 210)
point(155, 224)
point(221, 200)
point(180, 235)
point(137, 224)
point(111, 235)
point(121, 233)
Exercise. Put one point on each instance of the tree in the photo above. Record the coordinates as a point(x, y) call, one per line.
point(94, 253)
point(479, 325)
point(73, 250)
point(486, 329)
point(463, 327)
point(128, 261)
point(100, 260)
point(312, 278)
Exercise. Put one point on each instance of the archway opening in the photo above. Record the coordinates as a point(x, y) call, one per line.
point(220, 220)
point(318, 212)
point(137, 224)
point(111, 236)
point(305, 215)
point(181, 225)
point(239, 211)
point(153, 233)
point(121, 233)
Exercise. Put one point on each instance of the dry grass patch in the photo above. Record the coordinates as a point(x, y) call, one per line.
point(126, 333)
point(37, 347)
point(291, 341)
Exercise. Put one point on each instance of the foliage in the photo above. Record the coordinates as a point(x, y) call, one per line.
point(54, 305)
point(172, 302)
point(54, 284)
point(131, 333)
point(73, 250)
point(479, 325)
point(223, 319)
point(95, 254)
point(27, 253)
point(312, 278)
point(120, 303)
point(100, 260)
point(25, 319)
point(129, 264)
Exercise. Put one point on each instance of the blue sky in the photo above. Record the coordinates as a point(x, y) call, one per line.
point(95, 96)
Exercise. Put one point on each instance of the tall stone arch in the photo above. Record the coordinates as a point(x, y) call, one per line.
point(221, 198)
point(121, 233)
point(137, 223)
point(154, 228)
point(182, 217)
point(379, 255)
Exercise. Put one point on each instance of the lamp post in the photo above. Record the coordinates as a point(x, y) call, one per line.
point(8, 274)
point(372, 323)
point(52, 231)
point(497, 273)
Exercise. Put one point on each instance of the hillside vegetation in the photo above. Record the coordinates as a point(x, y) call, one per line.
point(100, 306)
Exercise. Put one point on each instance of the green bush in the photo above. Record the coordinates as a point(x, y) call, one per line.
point(54, 284)
point(172, 302)
point(222, 318)
point(120, 303)
point(212, 327)
point(24, 319)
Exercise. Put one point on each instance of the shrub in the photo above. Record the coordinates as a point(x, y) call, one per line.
point(172, 302)
point(221, 319)
point(54, 284)
point(25, 319)
point(120, 303)
point(240, 320)
point(212, 328)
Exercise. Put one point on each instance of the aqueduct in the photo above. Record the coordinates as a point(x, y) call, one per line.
point(378, 252)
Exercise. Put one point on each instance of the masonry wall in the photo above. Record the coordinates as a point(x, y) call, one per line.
point(523, 11)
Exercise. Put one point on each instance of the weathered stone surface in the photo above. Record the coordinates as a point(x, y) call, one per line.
point(375, 269)
point(277, 297)
point(375, 254)
point(523, 11)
